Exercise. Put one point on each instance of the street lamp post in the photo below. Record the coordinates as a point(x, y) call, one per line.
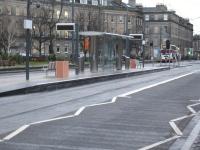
point(99, 19)
point(127, 41)
point(28, 40)
point(73, 53)
point(77, 49)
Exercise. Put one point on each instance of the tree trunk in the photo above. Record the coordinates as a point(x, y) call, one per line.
point(5, 50)
point(51, 51)
point(40, 48)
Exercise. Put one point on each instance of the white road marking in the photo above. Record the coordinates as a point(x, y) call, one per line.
point(154, 85)
point(193, 135)
point(183, 117)
point(192, 109)
point(194, 100)
point(124, 96)
point(13, 134)
point(78, 112)
point(159, 143)
point(54, 119)
point(175, 128)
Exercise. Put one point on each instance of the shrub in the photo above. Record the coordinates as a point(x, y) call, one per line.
point(18, 59)
point(52, 57)
point(62, 57)
point(4, 56)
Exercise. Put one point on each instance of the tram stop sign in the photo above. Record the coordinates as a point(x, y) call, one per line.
point(28, 24)
point(65, 26)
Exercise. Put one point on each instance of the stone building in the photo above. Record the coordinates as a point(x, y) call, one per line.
point(107, 17)
point(162, 24)
point(196, 46)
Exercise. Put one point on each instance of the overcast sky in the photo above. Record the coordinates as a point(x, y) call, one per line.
point(187, 9)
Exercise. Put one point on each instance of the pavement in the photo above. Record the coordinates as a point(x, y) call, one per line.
point(196, 144)
point(12, 84)
point(134, 120)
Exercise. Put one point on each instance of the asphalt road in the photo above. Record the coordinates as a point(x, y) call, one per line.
point(136, 121)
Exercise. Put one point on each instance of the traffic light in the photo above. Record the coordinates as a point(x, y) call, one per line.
point(167, 44)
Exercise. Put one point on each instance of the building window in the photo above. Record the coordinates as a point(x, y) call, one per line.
point(165, 16)
point(138, 21)
point(147, 30)
point(121, 19)
point(104, 2)
point(58, 49)
point(94, 2)
point(17, 11)
point(66, 34)
point(156, 30)
point(129, 19)
point(1, 11)
point(156, 17)
point(13, 10)
point(58, 33)
point(83, 1)
point(66, 14)
point(112, 30)
point(8, 10)
point(146, 17)
point(112, 19)
point(90, 2)
point(166, 29)
point(58, 13)
point(24, 12)
point(66, 49)
point(105, 18)
point(129, 31)
point(156, 42)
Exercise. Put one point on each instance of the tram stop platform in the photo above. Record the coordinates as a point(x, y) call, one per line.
point(15, 84)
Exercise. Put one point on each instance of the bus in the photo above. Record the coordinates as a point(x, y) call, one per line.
point(172, 54)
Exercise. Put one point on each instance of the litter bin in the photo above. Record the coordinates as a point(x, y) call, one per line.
point(132, 63)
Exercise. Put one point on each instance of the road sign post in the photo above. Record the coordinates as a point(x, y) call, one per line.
point(28, 27)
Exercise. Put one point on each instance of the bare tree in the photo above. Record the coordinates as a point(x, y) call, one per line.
point(7, 30)
point(45, 19)
point(40, 17)
point(54, 17)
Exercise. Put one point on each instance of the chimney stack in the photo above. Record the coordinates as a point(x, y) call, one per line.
point(132, 2)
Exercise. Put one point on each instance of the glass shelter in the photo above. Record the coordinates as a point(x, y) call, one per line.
point(104, 51)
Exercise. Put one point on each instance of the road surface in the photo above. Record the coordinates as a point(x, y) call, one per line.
point(135, 121)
